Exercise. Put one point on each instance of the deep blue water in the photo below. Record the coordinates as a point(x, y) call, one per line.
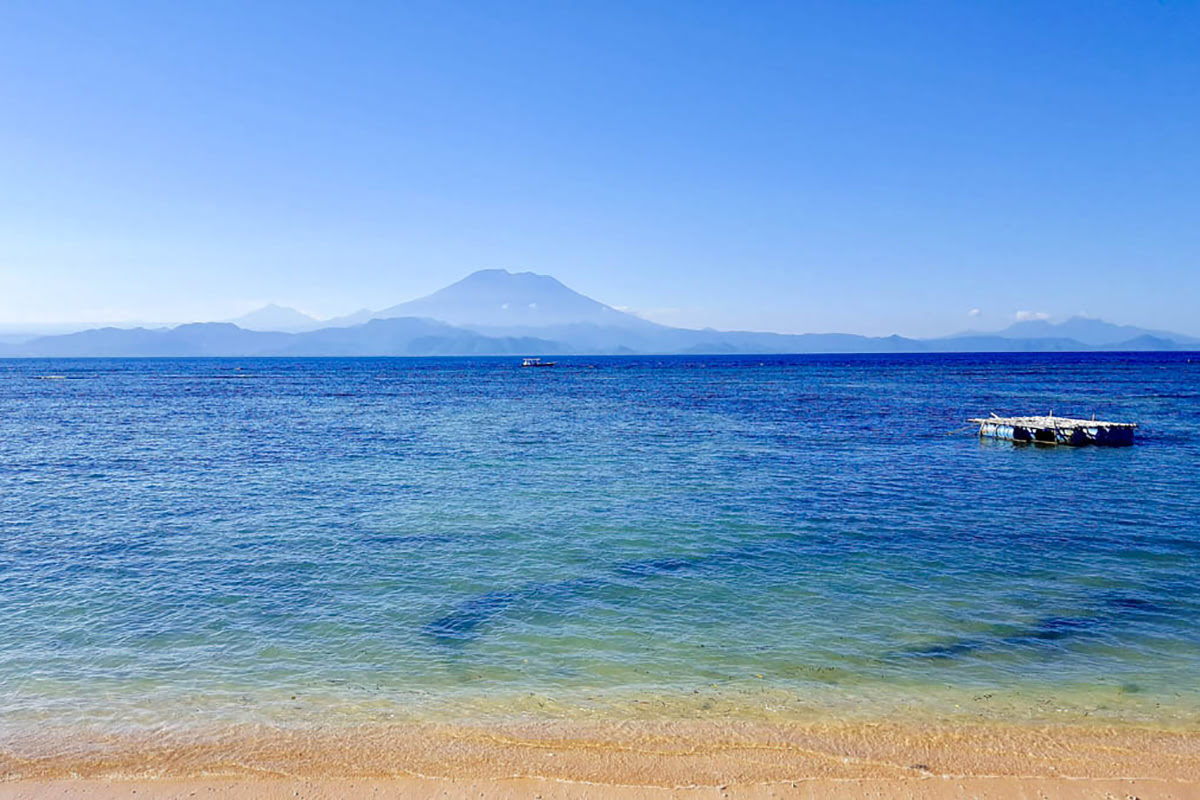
point(360, 538)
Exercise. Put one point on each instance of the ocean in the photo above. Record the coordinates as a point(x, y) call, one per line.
point(329, 541)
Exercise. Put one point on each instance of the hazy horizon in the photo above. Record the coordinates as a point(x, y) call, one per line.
point(63, 326)
point(919, 170)
point(58, 327)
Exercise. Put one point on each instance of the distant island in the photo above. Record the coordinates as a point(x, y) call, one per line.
point(496, 312)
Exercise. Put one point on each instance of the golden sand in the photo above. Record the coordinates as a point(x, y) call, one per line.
point(543, 789)
point(642, 760)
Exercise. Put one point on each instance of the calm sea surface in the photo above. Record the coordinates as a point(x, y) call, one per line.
point(358, 539)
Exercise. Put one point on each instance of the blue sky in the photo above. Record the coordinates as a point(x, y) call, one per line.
point(863, 167)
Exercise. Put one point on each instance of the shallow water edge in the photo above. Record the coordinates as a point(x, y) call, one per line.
point(678, 753)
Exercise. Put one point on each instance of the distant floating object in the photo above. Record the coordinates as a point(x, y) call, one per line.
point(1057, 430)
point(537, 362)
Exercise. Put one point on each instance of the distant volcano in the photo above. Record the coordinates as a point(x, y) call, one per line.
point(496, 312)
point(497, 298)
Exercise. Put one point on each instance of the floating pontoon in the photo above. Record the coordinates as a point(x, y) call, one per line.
point(1057, 430)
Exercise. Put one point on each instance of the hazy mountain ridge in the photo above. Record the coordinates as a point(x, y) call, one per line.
point(1084, 330)
point(398, 337)
point(197, 338)
point(494, 312)
point(408, 336)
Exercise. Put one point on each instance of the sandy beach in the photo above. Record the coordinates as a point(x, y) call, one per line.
point(613, 760)
point(934, 788)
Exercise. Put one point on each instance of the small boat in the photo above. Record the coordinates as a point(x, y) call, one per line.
point(537, 362)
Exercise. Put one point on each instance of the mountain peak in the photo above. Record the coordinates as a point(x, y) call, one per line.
point(274, 317)
point(490, 298)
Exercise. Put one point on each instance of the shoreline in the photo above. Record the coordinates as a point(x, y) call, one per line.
point(612, 759)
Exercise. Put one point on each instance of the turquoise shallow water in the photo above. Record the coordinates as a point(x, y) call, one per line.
point(362, 539)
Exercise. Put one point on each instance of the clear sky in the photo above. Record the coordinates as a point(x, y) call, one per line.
point(860, 167)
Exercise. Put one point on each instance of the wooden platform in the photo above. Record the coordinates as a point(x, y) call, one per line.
point(1057, 430)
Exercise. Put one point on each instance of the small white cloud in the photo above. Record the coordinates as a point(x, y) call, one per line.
point(533, 306)
point(974, 312)
point(1026, 316)
point(504, 306)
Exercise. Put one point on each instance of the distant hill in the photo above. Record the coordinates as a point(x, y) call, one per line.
point(409, 336)
point(1087, 330)
point(393, 337)
point(272, 317)
point(196, 339)
point(495, 312)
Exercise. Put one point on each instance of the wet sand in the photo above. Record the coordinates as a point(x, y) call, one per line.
point(612, 760)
